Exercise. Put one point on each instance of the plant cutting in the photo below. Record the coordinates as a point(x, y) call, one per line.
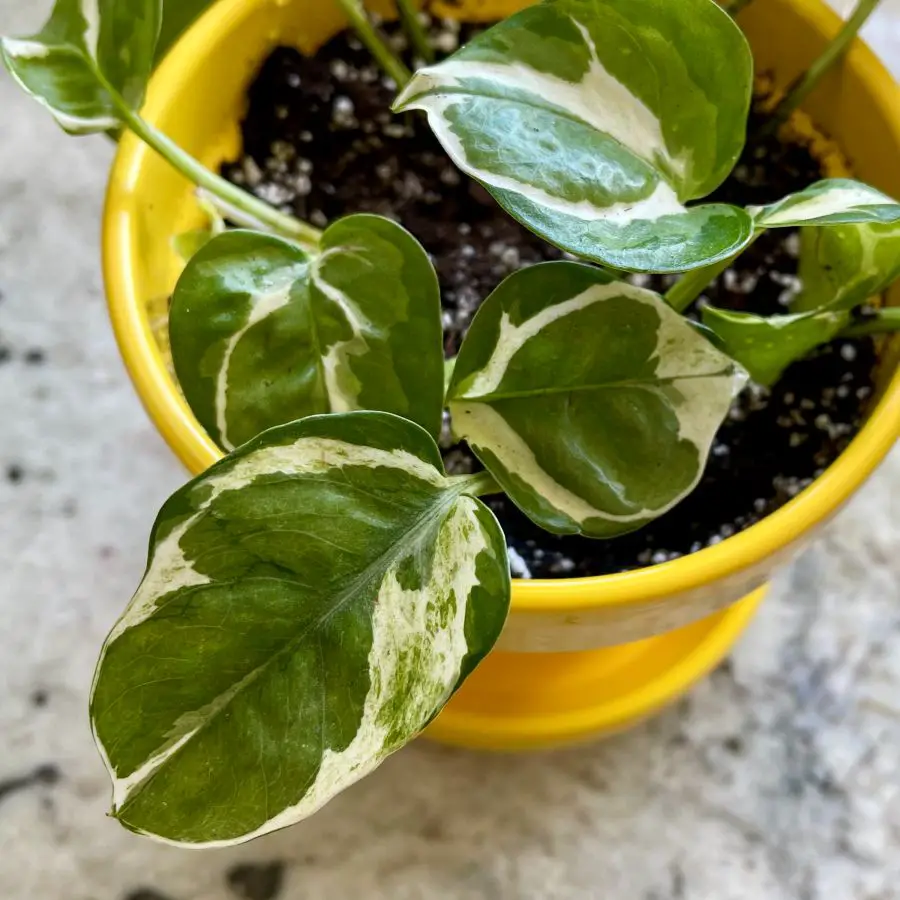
point(312, 601)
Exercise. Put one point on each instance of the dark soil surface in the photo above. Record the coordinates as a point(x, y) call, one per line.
point(320, 141)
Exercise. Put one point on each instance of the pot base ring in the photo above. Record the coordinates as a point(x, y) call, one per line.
point(532, 701)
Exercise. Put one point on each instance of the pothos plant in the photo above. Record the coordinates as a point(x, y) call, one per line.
point(313, 600)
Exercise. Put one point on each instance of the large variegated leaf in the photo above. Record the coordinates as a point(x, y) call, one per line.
point(842, 266)
point(832, 201)
point(87, 49)
point(592, 403)
point(593, 122)
point(309, 605)
point(766, 346)
point(263, 333)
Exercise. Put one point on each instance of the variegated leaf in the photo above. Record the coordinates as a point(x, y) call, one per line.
point(832, 201)
point(593, 404)
point(592, 123)
point(87, 50)
point(310, 604)
point(766, 346)
point(842, 266)
point(263, 333)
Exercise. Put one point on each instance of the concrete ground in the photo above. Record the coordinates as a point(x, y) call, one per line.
point(777, 779)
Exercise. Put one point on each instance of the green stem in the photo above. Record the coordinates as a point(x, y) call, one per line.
point(692, 284)
point(479, 485)
point(367, 33)
point(884, 321)
point(231, 195)
point(803, 86)
point(409, 15)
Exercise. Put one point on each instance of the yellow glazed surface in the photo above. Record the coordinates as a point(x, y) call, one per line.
point(197, 98)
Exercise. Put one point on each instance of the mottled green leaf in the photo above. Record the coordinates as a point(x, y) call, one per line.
point(592, 123)
point(310, 603)
point(87, 50)
point(263, 333)
point(766, 346)
point(832, 201)
point(842, 266)
point(592, 403)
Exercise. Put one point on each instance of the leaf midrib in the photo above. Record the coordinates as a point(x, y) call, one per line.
point(642, 383)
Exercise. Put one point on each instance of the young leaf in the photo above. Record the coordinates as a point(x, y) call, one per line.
point(592, 124)
point(593, 404)
point(87, 50)
point(832, 201)
point(263, 333)
point(310, 603)
point(842, 266)
point(766, 346)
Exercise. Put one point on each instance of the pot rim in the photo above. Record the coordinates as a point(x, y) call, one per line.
point(186, 438)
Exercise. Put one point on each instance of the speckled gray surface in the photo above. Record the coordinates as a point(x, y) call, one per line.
point(778, 779)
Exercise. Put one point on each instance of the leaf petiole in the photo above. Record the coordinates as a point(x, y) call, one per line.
point(692, 284)
point(409, 15)
point(478, 485)
point(882, 321)
point(197, 173)
point(368, 34)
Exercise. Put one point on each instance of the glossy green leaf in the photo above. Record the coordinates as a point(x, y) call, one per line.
point(842, 266)
point(87, 50)
point(592, 123)
point(263, 333)
point(832, 201)
point(310, 603)
point(592, 403)
point(766, 346)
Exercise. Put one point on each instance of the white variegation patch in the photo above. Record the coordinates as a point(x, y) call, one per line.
point(263, 306)
point(90, 9)
point(334, 363)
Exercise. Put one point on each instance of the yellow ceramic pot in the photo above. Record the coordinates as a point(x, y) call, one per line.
point(581, 657)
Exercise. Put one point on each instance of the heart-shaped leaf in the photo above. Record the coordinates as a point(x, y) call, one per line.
point(87, 49)
point(592, 123)
point(766, 346)
point(310, 604)
point(832, 201)
point(264, 333)
point(842, 266)
point(593, 404)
